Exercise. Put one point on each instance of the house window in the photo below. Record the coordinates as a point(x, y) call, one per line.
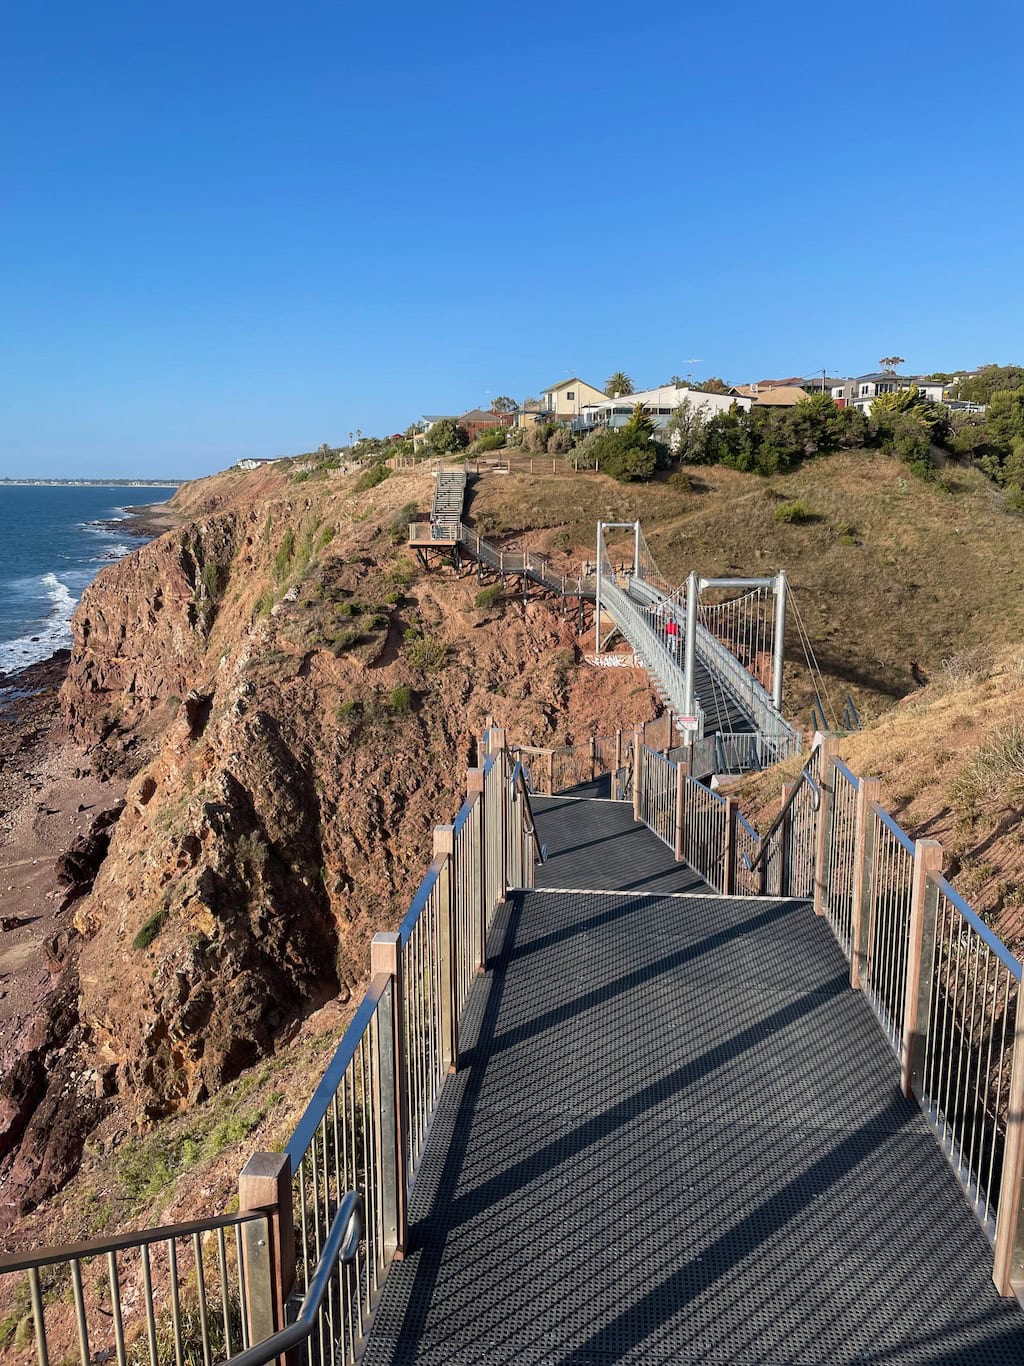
point(571, 395)
point(865, 389)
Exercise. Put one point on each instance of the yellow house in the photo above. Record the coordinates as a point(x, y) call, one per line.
point(566, 400)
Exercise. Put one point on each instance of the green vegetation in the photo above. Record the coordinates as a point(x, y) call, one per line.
point(345, 640)
point(265, 603)
point(491, 441)
point(401, 700)
point(285, 553)
point(371, 477)
point(150, 929)
point(399, 530)
point(618, 383)
point(425, 652)
point(794, 513)
point(487, 597)
point(446, 435)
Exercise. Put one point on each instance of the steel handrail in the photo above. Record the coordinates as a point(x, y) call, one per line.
point(314, 1112)
point(805, 778)
point(121, 1242)
point(897, 831)
point(519, 779)
point(975, 922)
point(342, 1246)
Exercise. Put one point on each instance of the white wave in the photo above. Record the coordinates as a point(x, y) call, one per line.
point(52, 633)
point(114, 552)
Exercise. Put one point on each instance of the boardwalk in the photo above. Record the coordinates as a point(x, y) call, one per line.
point(677, 1137)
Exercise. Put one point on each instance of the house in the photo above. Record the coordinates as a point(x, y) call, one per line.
point(768, 394)
point(659, 404)
point(477, 421)
point(252, 462)
point(862, 391)
point(564, 401)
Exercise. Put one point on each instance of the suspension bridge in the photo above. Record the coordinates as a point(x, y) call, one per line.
point(632, 1081)
point(709, 658)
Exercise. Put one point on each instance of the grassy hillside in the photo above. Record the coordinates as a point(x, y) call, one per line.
point(891, 574)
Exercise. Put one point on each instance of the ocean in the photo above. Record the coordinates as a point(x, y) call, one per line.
point(51, 548)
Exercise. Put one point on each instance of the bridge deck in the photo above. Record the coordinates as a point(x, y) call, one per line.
point(677, 1137)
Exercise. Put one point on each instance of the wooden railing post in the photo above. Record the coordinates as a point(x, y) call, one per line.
point(681, 774)
point(828, 751)
point(785, 831)
point(390, 1100)
point(593, 758)
point(551, 772)
point(638, 762)
point(618, 751)
point(444, 847)
point(924, 898)
point(732, 811)
point(869, 791)
point(475, 787)
point(265, 1182)
point(1007, 1254)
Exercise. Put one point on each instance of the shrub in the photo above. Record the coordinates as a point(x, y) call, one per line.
point(401, 700)
point(371, 477)
point(344, 640)
point(265, 603)
point(487, 597)
point(349, 710)
point(560, 441)
point(1015, 500)
point(325, 538)
point(150, 929)
point(491, 441)
point(424, 652)
point(793, 513)
point(401, 573)
point(283, 558)
point(615, 454)
point(399, 529)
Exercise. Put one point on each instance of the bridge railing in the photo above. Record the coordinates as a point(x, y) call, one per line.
point(220, 1287)
point(943, 987)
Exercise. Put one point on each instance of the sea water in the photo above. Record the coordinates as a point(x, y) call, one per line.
point(52, 545)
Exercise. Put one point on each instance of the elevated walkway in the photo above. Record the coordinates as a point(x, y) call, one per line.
point(676, 1137)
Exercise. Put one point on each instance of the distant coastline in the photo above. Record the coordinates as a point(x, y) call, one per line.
point(97, 483)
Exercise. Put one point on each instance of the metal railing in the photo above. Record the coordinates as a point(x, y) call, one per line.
point(658, 795)
point(885, 922)
point(176, 1293)
point(837, 882)
point(706, 824)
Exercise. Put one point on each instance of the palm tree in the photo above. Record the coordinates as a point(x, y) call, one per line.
point(617, 384)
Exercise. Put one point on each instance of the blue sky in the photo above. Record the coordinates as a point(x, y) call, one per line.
point(237, 229)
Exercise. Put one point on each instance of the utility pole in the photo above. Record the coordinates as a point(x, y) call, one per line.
point(636, 549)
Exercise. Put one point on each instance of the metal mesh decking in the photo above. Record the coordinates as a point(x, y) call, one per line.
point(677, 1137)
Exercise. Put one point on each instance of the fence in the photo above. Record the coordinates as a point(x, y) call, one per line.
point(324, 1219)
point(943, 987)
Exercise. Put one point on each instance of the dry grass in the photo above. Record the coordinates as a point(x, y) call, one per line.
point(931, 571)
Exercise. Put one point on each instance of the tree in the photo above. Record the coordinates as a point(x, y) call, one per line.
point(675, 380)
point(615, 452)
point(640, 425)
point(686, 433)
point(446, 435)
point(713, 386)
point(618, 383)
point(988, 381)
point(504, 404)
point(891, 363)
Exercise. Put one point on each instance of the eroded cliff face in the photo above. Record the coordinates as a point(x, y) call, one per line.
point(294, 702)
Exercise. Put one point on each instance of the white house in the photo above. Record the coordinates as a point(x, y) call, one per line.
point(862, 391)
point(659, 404)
